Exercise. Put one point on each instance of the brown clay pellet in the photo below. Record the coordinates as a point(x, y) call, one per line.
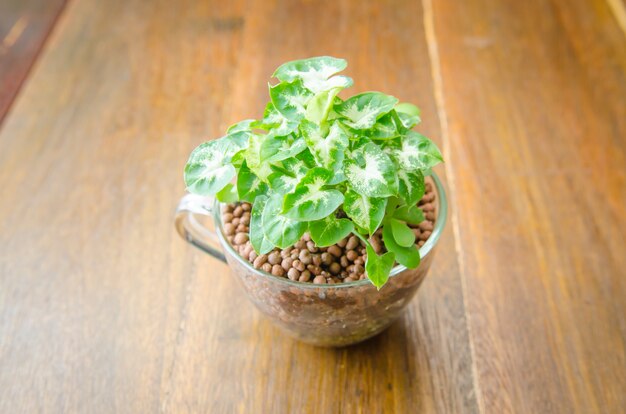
point(293, 274)
point(352, 255)
point(316, 270)
point(349, 279)
point(238, 211)
point(305, 276)
point(311, 247)
point(377, 245)
point(252, 256)
point(428, 207)
point(358, 269)
point(327, 259)
point(343, 242)
point(260, 261)
point(319, 280)
point(344, 261)
point(246, 206)
point(335, 268)
point(335, 251)
point(227, 217)
point(277, 270)
point(317, 259)
point(306, 237)
point(245, 219)
point(229, 229)
point(240, 238)
point(424, 236)
point(297, 264)
point(353, 242)
point(430, 216)
point(266, 267)
point(421, 243)
point(274, 258)
point(286, 263)
point(359, 260)
point(305, 257)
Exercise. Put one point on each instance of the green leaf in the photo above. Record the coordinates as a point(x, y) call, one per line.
point(280, 230)
point(227, 194)
point(208, 169)
point(366, 212)
point(407, 256)
point(287, 175)
point(328, 151)
point(384, 128)
point(411, 185)
point(249, 186)
point(290, 99)
point(260, 243)
point(319, 106)
point(330, 230)
point(311, 201)
point(409, 114)
point(314, 73)
point(254, 159)
point(409, 213)
point(402, 234)
point(275, 149)
point(275, 121)
point(377, 178)
point(415, 151)
point(362, 110)
point(378, 267)
point(244, 125)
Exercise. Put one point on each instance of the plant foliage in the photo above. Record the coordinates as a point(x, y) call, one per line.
point(313, 159)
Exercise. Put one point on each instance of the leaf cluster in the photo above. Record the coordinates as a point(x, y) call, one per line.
point(315, 162)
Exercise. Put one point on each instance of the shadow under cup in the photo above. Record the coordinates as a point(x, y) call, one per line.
point(323, 315)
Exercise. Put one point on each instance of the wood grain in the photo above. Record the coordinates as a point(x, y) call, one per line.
point(535, 100)
point(24, 27)
point(103, 307)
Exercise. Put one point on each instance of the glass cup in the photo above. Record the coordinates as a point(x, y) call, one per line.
point(323, 315)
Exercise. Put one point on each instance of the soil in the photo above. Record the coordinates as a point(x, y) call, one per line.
point(343, 262)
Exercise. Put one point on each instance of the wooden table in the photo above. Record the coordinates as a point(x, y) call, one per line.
point(103, 308)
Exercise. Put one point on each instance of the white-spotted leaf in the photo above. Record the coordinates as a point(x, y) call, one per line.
point(314, 73)
point(361, 111)
point(275, 122)
point(415, 151)
point(409, 114)
point(310, 200)
point(290, 99)
point(280, 230)
point(366, 212)
point(254, 159)
point(319, 106)
point(244, 125)
point(209, 167)
point(249, 186)
point(377, 177)
point(411, 185)
point(327, 151)
point(330, 230)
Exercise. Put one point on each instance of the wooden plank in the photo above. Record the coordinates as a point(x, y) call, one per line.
point(102, 307)
point(535, 99)
point(24, 27)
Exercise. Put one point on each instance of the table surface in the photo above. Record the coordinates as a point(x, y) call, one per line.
point(103, 308)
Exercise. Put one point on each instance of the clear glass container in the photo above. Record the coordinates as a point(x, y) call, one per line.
point(323, 315)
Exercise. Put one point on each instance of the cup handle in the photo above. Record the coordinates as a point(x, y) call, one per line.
point(192, 230)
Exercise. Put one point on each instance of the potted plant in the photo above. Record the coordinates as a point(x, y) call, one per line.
point(326, 209)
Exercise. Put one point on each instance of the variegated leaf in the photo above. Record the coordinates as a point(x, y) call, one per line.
point(411, 185)
point(327, 151)
point(290, 99)
point(415, 151)
point(311, 200)
point(254, 159)
point(228, 194)
point(275, 121)
point(361, 111)
point(319, 106)
point(276, 149)
point(249, 186)
point(244, 125)
point(208, 169)
point(287, 175)
point(278, 229)
point(409, 114)
point(377, 177)
point(329, 230)
point(384, 128)
point(259, 242)
point(314, 73)
point(366, 212)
